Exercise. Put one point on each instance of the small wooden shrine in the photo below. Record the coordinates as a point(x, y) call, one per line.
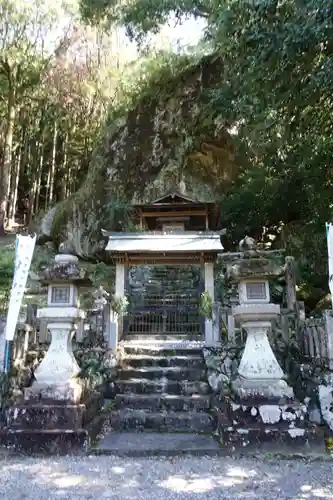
point(175, 234)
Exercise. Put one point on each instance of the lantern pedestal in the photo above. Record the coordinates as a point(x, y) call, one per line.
point(260, 376)
point(56, 376)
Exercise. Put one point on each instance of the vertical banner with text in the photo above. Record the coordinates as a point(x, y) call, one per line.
point(25, 246)
point(329, 235)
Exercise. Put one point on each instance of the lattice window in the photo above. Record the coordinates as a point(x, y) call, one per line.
point(256, 291)
point(164, 299)
point(60, 295)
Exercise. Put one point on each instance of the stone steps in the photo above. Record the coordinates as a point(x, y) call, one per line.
point(162, 387)
point(151, 444)
point(162, 349)
point(159, 373)
point(169, 402)
point(163, 336)
point(144, 360)
point(162, 421)
point(147, 386)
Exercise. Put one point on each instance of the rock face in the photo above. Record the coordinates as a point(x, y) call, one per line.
point(46, 224)
point(168, 125)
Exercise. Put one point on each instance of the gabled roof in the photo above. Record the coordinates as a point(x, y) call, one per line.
point(175, 194)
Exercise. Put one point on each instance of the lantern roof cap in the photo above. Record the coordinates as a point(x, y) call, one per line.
point(65, 269)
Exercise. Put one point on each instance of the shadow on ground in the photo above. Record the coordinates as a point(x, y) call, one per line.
point(163, 479)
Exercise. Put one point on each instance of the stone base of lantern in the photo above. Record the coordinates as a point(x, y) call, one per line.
point(262, 390)
point(53, 425)
point(70, 392)
point(253, 424)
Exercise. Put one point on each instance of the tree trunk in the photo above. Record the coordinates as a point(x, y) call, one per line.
point(7, 158)
point(39, 176)
point(64, 184)
point(14, 188)
point(33, 180)
point(51, 175)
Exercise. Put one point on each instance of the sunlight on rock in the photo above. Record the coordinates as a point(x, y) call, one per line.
point(322, 493)
point(229, 481)
point(118, 470)
point(239, 472)
point(309, 492)
point(198, 485)
point(178, 484)
point(131, 483)
point(306, 487)
point(68, 481)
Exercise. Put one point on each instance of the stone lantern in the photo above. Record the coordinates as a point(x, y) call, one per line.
point(259, 373)
point(56, 375)
point(60, 411)
point(259, 406)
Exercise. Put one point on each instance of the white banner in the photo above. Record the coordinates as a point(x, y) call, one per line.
point(25, 246)
point(329, 234)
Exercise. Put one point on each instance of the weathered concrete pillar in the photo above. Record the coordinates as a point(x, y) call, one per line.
point(120, 280)
point(329, 333)
point(216, 326)
point(113, 330)
point(290, 275)
point(116, 322)
point(209, 288)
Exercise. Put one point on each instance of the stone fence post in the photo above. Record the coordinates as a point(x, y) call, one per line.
point(112, 328)
point(216, 311)
point(329, 337)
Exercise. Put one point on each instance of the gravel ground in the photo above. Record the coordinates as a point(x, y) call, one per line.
point(103, 477)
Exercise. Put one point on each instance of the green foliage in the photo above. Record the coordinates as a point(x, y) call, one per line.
point(119, 305)
point(152, 77)
point(94, 369)
point(206, 305)
point(142, 16)
point(278, 64)
point(275, 94)
point(7, 256)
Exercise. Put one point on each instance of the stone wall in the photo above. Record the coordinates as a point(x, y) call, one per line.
point(310, 381)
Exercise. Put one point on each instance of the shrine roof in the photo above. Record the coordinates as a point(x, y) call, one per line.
point(165, 242)
point(176, 197)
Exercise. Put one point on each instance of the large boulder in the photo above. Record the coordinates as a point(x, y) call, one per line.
point(168, 124)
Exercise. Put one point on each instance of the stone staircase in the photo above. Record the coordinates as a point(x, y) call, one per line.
point(162, 387)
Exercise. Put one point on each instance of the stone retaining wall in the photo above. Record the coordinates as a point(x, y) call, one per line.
point(311, 383)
